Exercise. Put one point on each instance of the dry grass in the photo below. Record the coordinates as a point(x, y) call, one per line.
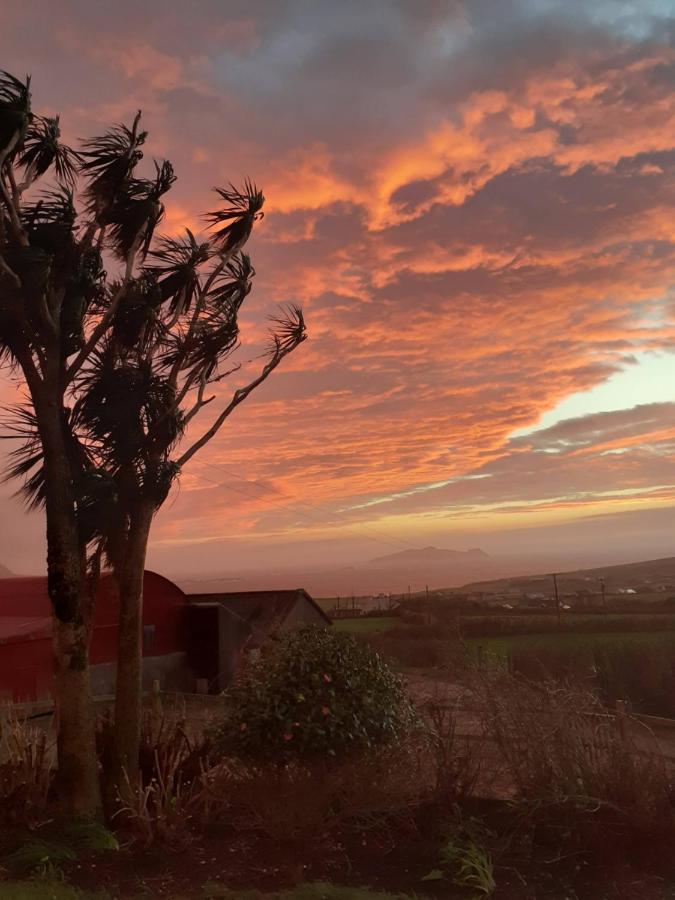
point(26, 769)
point(456, 765)
point(572, 766)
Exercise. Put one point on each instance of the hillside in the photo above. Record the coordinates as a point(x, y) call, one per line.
point(643, 576)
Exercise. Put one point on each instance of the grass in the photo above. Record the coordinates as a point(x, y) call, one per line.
point(367, 625)
point(303, 892)
point(43, 889)
point(505, 644)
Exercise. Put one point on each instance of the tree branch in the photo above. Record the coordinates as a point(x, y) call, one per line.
point(238, 397)
point(106, 319)
point(200, 402)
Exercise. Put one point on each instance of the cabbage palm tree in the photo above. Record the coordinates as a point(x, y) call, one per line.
point(117, 369)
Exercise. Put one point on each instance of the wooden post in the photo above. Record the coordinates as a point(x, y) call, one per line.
point(557, 598)
point(156, 698)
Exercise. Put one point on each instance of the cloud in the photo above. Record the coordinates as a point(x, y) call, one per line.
point(473, 201)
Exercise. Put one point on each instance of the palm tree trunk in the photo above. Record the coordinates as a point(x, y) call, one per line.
point(76, 742)
point(129, 687)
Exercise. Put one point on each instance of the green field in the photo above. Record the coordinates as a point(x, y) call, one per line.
point(366, 625)
point(504, 644)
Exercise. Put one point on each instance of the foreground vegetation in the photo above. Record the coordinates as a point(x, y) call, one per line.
point(544, 795)
point(41, 889)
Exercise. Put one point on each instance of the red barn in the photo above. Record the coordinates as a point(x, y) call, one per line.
point(26, 644)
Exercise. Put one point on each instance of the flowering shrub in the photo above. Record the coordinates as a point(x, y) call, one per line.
point(318, 693)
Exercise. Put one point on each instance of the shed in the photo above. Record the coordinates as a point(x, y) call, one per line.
point(225, 627)
point(26, 662)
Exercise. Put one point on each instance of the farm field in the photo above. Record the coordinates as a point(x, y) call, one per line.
point(498, 625)
point(366, 625)
point(503, 645)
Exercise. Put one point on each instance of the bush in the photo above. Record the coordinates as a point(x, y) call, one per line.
point(574, 767)
point(643, 673)
point(318, 694)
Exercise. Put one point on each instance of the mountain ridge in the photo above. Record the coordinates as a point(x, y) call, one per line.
point(429, 556)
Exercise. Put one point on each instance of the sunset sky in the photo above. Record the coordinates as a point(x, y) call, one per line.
point(474, 202)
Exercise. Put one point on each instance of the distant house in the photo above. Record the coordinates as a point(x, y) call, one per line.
point(226, 627)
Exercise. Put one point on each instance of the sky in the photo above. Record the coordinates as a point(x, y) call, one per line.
point(473, 201)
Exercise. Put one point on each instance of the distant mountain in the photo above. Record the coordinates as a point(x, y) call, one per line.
point(427, 556)
point(5, 572)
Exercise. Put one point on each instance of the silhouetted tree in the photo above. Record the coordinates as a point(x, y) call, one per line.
point(116, 369)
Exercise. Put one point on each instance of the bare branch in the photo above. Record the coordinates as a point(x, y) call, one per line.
point(200, 402)
point(238, 397)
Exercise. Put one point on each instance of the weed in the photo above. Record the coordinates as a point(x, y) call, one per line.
point(26, 769)
point(39, 857)
point(464, 856)
point(473, 868)
point(90, 837)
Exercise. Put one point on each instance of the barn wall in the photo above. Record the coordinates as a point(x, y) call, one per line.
point(26, 666)
point(172, 671)
point(26, 670)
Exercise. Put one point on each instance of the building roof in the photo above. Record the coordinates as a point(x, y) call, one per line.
point(264, 611)
point(26, 610)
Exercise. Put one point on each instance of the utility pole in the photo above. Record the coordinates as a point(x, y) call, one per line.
point(557, 599)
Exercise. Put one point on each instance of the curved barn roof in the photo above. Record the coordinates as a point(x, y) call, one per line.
point(26, 610)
